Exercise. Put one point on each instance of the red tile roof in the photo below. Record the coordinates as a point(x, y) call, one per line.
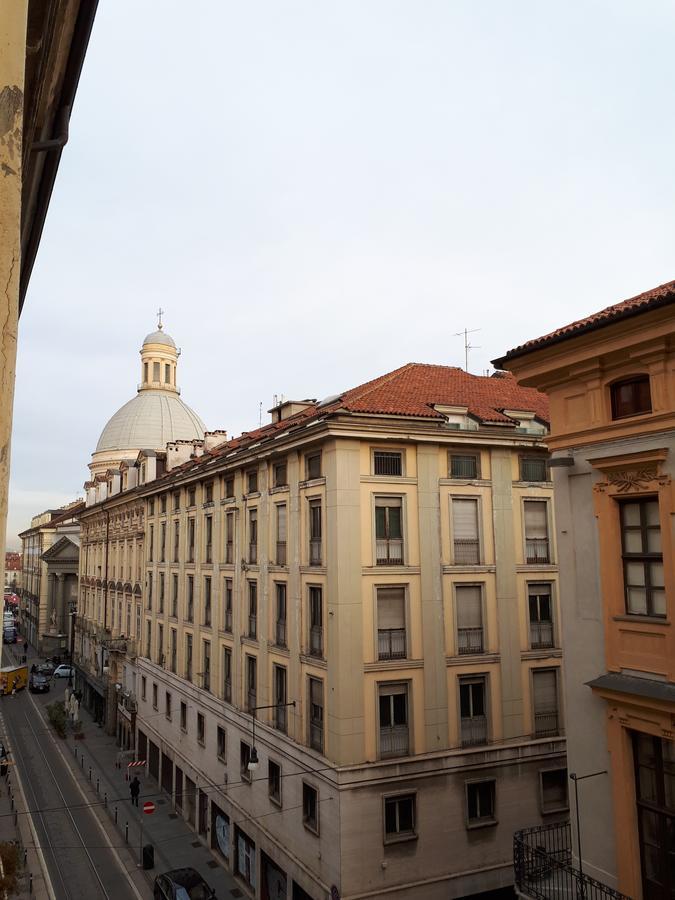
point(663, 295)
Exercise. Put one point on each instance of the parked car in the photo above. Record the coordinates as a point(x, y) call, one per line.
point(9, 634)
point(46, 669)
point(38, 683)
point(63, 671)
point(181, 884)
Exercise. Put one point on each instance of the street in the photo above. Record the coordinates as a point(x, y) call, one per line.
point(82, 865)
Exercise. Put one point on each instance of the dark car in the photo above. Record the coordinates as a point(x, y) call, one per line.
point(46, 669)
point(38, 683)
point(182, 884)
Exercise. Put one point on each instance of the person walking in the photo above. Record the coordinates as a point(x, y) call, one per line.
point(135, 789)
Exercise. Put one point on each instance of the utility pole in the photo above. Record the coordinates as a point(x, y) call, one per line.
point(467, 346)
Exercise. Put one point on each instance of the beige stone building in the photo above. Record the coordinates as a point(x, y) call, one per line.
point(13, 566)
point(369, 584)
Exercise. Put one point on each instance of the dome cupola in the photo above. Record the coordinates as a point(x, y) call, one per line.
point(159, 359)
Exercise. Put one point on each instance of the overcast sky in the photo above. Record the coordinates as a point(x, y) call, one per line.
point(317, 193)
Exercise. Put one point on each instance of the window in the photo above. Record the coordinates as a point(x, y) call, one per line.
point(176, 541)
point(228, 605)
point(176, 501)
point(253, 609)
point(188, 657)
point(393, 711)
point(280, 624)
point(399, 818)
point(183, 716)
point(229, 538)
point(252, 481)
point(221, 742)
point(190, 612)
point(167, 373)
point(155, 371)
point(280, 474)
point(642, 557)
point(541, 616)
point(465, 533)
point(480, 803)
point(387, 463)
point(253, 536)
point(155, 701)
point(191, 541)
point(654, 773)
point(316, 714)
point(227, 674)
point(206, 674)
point(173, 646)
point(149, 590)
point(162, 504)
point(631, 397)
point(207, 601)
point(244, 759)
point(315, 621)
point(280, 698)
point(281, 534)
point(167, 705)
point(144, 687)
point(312, 466)
point(545, 702)
point(208, 539)
point(251, 683)
point(145, 372)
point(274, 782)
point(310, 808)
point(389, 531)
point(315, 532)
point(151, 507)
point(200, 729)
point(229, 487)
point(162, 540)
point(151, 543)
point(533, 468)
point(391, 638)
point(160, 645)
point(464, 466)
point(192, 495)
point(174, 596)
point(473, 718)
point(536, 531)
point(468, 598)
point(148, 639)
point(208, 492)
point(161, 592)
point(553, 786)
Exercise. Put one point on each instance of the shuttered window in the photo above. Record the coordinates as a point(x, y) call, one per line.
point(465, 531)
point(536, 531)
point(391, 638)
point(469, 619)
point(545, 702)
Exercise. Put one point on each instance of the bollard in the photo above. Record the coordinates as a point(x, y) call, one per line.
point(25, 856)
point(30, 884)
point(97, 785)
point(105, 799)
point(115, 815)
point(11, 801)
point(89, 773)
point(82, 761)
point(126, 832)
point(16, 816)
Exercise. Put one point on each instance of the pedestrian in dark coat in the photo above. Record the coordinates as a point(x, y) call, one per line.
point(135, 788)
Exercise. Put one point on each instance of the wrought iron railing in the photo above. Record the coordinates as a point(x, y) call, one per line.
point(469, 640)
point(391, 643)
point(541, 635)
point(546, 723)
point(316, 640)
point(389, 551)
point(536, 550)
point(315, 551)
point(467, 551)
point(253, 626)
point(281, 633)
point(394, 740)
point(543, 867)
point(281, 553)
point(474, 730)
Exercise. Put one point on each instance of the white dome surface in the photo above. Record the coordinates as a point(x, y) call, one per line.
point(150, 421)
point(159, 337)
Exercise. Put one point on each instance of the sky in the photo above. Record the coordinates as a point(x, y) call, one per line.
point(317, 193)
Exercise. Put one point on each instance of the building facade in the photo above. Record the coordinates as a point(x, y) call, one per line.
point(348, 661)
point(611, 384)
point(13, 566)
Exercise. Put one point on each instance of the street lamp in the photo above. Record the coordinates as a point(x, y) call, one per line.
point(73, 615)
point(576, 779)
point(253, 762)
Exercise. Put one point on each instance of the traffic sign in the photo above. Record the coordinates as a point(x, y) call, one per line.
point(148, 807)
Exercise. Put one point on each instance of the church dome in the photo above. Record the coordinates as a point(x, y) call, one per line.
point(149, 422)
point(159, 337)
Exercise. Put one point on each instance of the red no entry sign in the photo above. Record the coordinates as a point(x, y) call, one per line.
point(148, 807)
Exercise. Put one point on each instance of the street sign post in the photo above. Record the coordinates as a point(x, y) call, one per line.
point(148, 807)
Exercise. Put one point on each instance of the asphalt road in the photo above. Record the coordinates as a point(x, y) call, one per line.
point(81, 863)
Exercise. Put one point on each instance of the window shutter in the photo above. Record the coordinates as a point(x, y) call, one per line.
point(465, 520)
point(469, 610)
point(536, 525)
point(391, 608)
point(545, 692)
point(281, 522)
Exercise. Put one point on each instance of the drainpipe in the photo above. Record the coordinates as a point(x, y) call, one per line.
point(105, 588)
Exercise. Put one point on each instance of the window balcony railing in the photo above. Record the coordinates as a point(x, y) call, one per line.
point(229, 553)
point(251, 701)
point(253, 554)
point(469, 640)
point(391, 643)
point(315, 552)
point(281, 633)
point(209, 553)
point(389, 552)
point(228, 620)
point(474, 731)
point(280, 718)
point(536, 551)
point(316, 641)
point(541, 635)
point(253, 627)
point(227, 692)
point(467, 552)
point(546, 723)
point(316, 736)
point(281, 553)
point(394, 740)
point(543, 867)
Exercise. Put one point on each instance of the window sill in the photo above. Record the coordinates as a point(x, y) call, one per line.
point(275, 802)
point(279, 489)
point(314, 831)
point(644, 620)
point(399, 839)
point(312, 482)
point(227, 500)
point(546, 483)
point(253, 495)
point(484, 823)
point(555, 810)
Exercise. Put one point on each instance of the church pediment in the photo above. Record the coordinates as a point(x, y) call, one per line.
point(64, 550)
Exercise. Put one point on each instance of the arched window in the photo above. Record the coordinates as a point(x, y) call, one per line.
point(631, 397)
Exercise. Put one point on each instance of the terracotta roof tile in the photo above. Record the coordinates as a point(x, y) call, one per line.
point(662, 295)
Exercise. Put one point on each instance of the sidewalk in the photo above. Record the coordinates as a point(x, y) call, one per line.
point(175, 843)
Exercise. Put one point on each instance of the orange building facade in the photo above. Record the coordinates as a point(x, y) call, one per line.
point(611, 386)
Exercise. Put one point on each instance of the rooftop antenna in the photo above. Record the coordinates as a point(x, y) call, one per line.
point(467, 346)
point(260, 414)
point(160, 313)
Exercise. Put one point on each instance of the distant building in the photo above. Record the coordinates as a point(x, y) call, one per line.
point(611, 385)
point(12, 572)
point(343, 634)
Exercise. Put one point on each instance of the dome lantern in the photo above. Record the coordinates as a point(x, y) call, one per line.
point(159, 360)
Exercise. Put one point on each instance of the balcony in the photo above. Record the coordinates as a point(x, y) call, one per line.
point(251, 701)
point(280, 718)
point(469, 641)
point(281, 633)
point(228, 620)
point(253, 554)
point(467, 552)
point(227, 692)
point(389, 552)
point(536, 551)
point(543, 869)
point(316, 641)
point(391, 643)
point(253, 627)
point(281, 553)
point(314, 552)
point(316, 736)
point(541, 635)
point(394, 740)
point(474, 731)
point(546, 723)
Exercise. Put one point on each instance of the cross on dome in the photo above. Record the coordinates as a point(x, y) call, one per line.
point(160, 313)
